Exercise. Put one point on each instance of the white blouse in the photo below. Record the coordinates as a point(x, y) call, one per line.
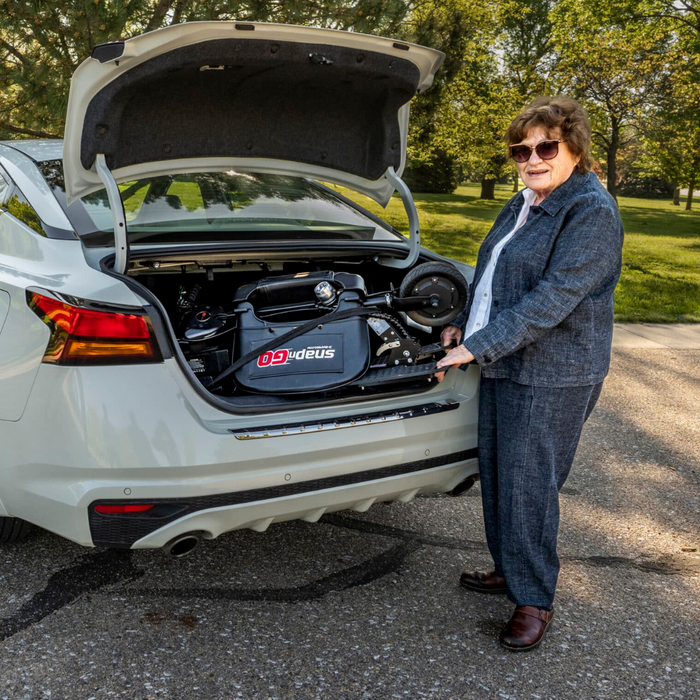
point(481, 306)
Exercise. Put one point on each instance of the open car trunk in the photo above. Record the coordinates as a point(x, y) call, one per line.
point(313, 328)
point(282, 104)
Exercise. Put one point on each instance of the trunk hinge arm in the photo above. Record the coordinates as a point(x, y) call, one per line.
point(121, 242)
point(413, 223)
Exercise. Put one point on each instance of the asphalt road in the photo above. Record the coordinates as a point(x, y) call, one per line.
point(368, 605)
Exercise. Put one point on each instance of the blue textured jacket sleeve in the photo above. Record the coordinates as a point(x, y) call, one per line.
point(586, 251)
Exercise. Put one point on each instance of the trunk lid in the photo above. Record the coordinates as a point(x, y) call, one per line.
point(213, 96)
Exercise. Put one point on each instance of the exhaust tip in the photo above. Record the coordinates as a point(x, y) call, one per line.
point(182, 545)
point(464, 486)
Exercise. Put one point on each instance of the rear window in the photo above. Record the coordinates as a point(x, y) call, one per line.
point(216, 207)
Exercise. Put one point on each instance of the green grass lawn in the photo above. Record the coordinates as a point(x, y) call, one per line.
point(660, 280)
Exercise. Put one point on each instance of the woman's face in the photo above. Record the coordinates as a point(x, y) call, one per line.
point(544, 176)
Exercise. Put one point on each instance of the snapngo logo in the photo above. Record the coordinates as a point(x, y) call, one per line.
point(273, 358)
point(278, 357)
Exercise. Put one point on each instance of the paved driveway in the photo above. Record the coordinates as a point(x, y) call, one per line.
point(368, 606)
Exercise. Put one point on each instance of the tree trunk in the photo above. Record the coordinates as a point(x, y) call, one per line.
point(488, 188)
point(689, 201)
point(516, 183)
point(612, 157)
point(677, 195)
point(159, 13)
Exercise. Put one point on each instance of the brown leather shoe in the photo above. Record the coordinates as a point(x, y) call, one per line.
point(483, 582)
point(526, 628)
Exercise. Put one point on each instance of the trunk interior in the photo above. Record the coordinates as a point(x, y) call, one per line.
point(222, 309)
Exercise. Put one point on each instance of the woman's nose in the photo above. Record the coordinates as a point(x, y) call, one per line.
point(534, 158)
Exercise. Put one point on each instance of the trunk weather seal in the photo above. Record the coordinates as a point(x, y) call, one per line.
point(365, 248)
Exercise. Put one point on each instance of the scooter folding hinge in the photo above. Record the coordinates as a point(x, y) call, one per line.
point(121, 241)
point(413, 223)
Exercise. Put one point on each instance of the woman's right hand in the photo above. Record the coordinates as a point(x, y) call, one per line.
point(450, 333)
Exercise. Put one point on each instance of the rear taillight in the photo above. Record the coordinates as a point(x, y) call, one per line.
point(81, 336)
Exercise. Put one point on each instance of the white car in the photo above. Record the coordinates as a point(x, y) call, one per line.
point(196, 335)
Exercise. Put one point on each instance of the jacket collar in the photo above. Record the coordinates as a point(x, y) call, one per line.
point(561, 195)
point(516, 203)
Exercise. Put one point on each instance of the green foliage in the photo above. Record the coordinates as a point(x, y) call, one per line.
point(432, 171)
point(526, 44)
point(477, 109)
point(617, 64)
point(41, 44)
point(637, 184)
point(672, 135)
point(465, 31)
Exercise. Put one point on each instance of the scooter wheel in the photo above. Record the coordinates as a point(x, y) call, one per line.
point(441, 280)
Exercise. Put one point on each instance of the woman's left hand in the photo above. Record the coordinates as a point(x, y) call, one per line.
point(454, 358)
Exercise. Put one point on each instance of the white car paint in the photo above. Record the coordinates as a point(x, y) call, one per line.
point(30, 181)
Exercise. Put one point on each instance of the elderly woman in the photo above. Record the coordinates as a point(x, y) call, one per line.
point(540, 327)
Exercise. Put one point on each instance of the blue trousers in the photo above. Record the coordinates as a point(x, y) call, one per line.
point(527, 440)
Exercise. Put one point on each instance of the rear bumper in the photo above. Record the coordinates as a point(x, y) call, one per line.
point(256, 509)
point(140, 434)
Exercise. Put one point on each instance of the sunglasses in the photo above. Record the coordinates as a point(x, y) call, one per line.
point(546, 150)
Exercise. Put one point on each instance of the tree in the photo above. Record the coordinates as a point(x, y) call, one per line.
point(683, 14)
point(41, 44)
point(617, 64)
point(526, 45)
point(463, 30)
point(476, 112)
point(526, 41)
point(674, 138)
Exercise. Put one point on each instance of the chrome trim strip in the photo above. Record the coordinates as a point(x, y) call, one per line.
point(429, 409)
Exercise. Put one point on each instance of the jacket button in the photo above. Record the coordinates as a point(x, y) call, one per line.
point(487, 359)
point(496, 302)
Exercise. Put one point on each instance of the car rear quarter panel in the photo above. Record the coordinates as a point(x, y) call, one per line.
point(29, 261)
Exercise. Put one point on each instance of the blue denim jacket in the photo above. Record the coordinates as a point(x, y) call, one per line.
point(551, 318)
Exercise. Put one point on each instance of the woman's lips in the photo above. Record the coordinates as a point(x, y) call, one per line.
point(536, 172)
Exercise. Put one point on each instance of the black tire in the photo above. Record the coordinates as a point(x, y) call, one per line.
point(13, 530)
point(443, 280)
